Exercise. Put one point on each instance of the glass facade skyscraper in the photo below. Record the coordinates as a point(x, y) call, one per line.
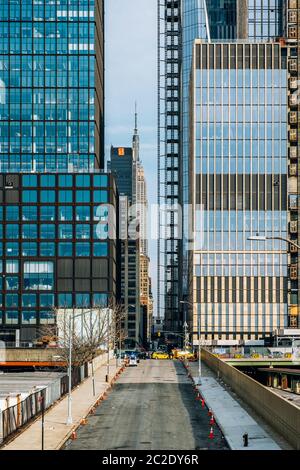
point(51, 68)
point(245, 152)
point(239, 178)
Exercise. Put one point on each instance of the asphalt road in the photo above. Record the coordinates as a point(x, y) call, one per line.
point(152, 407)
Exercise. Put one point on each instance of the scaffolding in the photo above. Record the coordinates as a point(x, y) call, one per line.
point(169, 92)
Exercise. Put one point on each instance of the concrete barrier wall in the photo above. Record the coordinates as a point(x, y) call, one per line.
point(280, 414)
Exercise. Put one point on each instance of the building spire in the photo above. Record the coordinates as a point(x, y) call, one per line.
point(136, 137)
point(135, 119)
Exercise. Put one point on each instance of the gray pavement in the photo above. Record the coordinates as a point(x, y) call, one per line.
point(151, 407)
point(232, 418)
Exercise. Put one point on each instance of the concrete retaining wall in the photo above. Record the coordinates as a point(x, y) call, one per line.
point(282, 415)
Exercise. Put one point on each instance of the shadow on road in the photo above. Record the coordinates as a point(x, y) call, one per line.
point(198, 416)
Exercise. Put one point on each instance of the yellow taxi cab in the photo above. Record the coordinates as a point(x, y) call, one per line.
point(184, 354)
point(160, 355)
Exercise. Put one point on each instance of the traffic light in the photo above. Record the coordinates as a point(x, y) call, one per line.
point(158, 334)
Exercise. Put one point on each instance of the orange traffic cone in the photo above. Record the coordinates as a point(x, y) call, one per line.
point(74, 435)
point(212, 420)
point(211, 433)
point(202, 403)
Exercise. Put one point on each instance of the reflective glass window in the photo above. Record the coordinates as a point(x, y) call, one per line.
point(29, 249)
point(100, 196)
point(12, 231)
point(29, 231)
point(83, 300)
point(12, 266)
point(65, 249)
point(83, 181)
point(11, 283)
point(29, 213)
point(82, 213)
point(65, 181)
point(29, 196)
point(28, 317)
point(83, 231)
point(83, 196)
point(47, 181)
point(47, 317)
point(100, 300)
point(65, 196)
point(47, 196)
point(38, 275)
point(30, 181)
point(29, 300)
point(46, 300)
point(100, 181)
point(12, 317)
point(65, 300)
point(65, 231)
point(12, 249)
point(47, 213)
point(82, 249)
point(47, 231)
point(11, 300)
point(12, 213)
point(47, 249)
point(100, 249)
point(65, 213)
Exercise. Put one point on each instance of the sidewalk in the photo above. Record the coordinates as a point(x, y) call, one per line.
point(56, 429)
point(232, 419)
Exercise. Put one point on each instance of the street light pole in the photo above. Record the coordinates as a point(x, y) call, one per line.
point(199, 340)
point(69, 419)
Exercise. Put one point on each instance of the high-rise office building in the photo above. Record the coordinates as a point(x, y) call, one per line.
point(56, 248)
point(122, 167)
point(51, 132)
point(228, 149)
point(52, 68)
point(127, 167)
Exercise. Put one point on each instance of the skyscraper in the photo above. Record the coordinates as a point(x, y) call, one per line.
point(52, 67)
point(52, 131)
point(222, 152)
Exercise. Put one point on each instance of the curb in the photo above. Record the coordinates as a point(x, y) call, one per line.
point(96, 403)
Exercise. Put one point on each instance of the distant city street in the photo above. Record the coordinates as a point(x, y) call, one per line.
point(152, 406)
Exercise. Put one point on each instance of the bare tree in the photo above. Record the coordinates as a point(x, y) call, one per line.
point(93, 331)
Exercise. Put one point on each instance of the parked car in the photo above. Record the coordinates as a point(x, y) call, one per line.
point(133, 360)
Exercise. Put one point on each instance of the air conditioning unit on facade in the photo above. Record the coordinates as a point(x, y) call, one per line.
point(292, 32)
point(293, 272)
point(292, 16)
point(293, 169)
point(293, 65)
point(293, 153)
point(293, 248)
point(293, 100)
point(293, 135)
point(293, 83)
point(293, 117)
point(293, 4)
point(294, 226)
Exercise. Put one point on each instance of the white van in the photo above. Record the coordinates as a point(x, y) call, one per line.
point(133, 361)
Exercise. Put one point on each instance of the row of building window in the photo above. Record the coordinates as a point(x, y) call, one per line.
point(80, 213)
point(67, 196)
point(64, 300)
point(48, 231)
point(62, 249)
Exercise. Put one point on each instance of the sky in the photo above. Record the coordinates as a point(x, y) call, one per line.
point(131, 75)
